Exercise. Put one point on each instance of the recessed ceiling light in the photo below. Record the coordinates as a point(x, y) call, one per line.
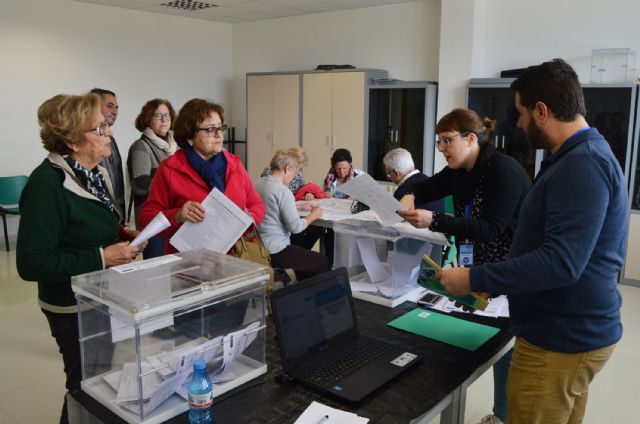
point(188, 5)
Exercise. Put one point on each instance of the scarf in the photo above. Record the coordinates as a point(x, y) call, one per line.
point(169, 146)
point(331, 177)
point(212, 171)
point(92, 181)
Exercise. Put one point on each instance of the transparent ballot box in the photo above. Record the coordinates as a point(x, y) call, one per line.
point(142, 325)
point(383, 262)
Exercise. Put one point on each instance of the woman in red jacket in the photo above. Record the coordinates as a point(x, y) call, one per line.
point(183, 180)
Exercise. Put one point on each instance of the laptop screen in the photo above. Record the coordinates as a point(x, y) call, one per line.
point(312, 314)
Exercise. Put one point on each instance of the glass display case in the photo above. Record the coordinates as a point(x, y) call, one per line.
point(142, 325)
point(401, 114)
point(383, 262)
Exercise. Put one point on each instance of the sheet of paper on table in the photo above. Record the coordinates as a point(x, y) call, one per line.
point(317, 412)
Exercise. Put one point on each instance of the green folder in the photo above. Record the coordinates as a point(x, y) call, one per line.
point(446, 329)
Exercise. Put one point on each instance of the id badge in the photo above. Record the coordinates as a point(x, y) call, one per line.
point(466, 254)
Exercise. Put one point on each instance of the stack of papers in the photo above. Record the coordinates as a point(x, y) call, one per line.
point(317, 413)
point(498, 307)
point(168, 372)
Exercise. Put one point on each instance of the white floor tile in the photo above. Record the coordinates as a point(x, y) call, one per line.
point(45, 394)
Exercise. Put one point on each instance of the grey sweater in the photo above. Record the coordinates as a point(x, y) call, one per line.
point(144, 158)
point(281, 218)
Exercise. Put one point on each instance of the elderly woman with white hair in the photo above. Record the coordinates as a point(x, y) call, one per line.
point(282, 217)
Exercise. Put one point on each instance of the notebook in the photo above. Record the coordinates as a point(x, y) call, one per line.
point(320, 345)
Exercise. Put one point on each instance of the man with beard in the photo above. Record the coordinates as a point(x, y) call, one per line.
point(567, 250)
point(114, 162)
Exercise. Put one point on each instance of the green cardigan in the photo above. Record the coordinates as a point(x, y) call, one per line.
point(62, 231)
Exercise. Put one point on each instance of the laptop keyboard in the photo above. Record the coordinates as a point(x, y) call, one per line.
point(334, 367)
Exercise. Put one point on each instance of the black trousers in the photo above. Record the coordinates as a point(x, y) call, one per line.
point(310, 235)
point(64, 328)
point(304, 262)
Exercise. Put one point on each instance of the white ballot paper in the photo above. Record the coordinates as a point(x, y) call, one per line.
point(366, 190)
point(158, 223)
point(320, 413)
point(222, 226)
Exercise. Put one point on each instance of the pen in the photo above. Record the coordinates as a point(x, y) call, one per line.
point(432, 263)
point(323, 419)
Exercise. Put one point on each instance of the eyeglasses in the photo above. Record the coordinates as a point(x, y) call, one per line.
point(162, 116)
point(442, 142)
point(102, 129)
point(211, 130)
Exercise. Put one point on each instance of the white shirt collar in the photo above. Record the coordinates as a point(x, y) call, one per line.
point(406, 177)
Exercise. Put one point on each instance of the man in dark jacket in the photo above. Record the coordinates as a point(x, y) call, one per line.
point(402, 171)
point(114, 162)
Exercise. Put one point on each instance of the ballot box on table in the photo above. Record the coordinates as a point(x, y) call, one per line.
point(142, 325)
point(383, 262)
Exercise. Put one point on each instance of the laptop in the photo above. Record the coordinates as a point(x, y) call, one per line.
point(319, 341)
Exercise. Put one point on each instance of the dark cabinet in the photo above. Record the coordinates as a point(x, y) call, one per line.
point(610, 109)
point(401, 115)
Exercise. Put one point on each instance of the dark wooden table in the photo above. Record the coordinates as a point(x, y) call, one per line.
point(437, 385)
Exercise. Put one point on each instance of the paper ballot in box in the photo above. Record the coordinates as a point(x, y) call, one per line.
point(141, 326)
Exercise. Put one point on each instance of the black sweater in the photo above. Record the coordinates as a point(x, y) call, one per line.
point(494, 188)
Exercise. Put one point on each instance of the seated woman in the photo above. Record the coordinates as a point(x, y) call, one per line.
point(300, 189)
point(340, 172)
point(155, 144)
point(186, 178)
point(282, 217)
point(69, 224)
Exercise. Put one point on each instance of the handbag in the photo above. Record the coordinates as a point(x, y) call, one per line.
point(250, 247)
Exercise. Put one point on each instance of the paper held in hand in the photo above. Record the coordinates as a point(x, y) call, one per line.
point(366, 190)
point(426, 278)
point(158, 224)
point(223, 224)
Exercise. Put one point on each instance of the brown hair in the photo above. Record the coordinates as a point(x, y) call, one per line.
point(65, 119)
point(466, 121)
point(293, 156)
point(192, 113)
point(147, 111)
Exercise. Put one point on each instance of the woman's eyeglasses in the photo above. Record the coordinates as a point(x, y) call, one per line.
point(102, 129)
point(162, 116)
point(442, 142)
point(211, 130)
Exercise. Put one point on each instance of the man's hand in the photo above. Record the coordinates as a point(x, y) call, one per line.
point(419, 218)
point(455, 280)
point(408, 201)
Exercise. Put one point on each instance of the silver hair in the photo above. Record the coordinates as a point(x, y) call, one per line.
point(398, 160)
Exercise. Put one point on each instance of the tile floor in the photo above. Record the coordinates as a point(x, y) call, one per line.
point(32, 380)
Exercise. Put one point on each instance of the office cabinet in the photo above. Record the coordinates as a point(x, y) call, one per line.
point(273, 117)
point(334, 115)
point(401, 114)
point(610, 109)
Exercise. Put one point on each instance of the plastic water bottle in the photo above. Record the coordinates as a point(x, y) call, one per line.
point(200, 395)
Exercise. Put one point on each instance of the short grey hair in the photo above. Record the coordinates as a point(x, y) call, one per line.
point(398, 160)
point(293, 156)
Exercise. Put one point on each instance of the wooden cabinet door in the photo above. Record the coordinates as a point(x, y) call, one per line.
point(285, 112)
point(316, 124)
point(259, 123)
point(348, 114)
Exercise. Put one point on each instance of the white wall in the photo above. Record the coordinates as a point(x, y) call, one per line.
point(401, 38)
point(62, 46)
point(521, 33)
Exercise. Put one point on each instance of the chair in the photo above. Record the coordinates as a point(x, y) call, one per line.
point(10, 189)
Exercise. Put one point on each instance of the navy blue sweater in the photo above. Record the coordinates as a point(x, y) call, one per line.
point(567, 249)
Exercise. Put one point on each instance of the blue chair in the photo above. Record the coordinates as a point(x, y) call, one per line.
point(10, 189)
